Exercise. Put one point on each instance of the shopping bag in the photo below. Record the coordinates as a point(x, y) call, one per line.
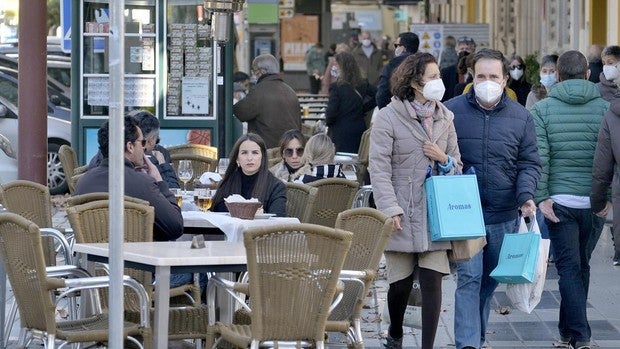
point(454, 210)
point(413, 313)
point(464, 250)
point(517, 258)
point(526, 297)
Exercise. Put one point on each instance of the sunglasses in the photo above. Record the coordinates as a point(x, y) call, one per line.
point(143, 141)
point(288, 152)
point(513, 67)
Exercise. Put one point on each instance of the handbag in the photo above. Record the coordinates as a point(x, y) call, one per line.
point(454, 209)
point(517, 258)
point(526, 297)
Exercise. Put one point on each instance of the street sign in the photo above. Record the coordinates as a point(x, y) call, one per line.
point(287, 3)
point(286, 13)
point(65, 24)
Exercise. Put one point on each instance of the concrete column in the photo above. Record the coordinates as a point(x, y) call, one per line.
point(32, 93)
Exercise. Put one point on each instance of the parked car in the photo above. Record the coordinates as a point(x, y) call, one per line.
point(57, 93)
point(58, 133)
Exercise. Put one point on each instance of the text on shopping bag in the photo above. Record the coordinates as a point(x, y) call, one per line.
point(517, 258)
point(454, 210)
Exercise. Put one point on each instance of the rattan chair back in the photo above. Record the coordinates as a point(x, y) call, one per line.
point(32, 201)
point(197, 149)
point(200, 164)
point(334, 196)
point(293, 272)
point(21, 251)
point(300, 199)
point(371, 231)
point(362, 158)
point(69, 162)
point(96, 196)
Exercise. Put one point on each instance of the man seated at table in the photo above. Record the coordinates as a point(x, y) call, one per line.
point(142, 180)
point(159, 156)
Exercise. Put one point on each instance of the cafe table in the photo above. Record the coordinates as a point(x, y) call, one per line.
point(166, 257)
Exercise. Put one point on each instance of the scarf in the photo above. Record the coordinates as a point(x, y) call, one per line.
point(425, 112)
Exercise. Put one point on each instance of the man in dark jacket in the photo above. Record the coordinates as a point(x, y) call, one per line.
point(142, 180)
point(406, 44)
point(272, 107)
point(567, 125)
point(496, 137)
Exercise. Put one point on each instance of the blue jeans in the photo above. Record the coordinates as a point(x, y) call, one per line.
point(474, 288)
point(574, 238)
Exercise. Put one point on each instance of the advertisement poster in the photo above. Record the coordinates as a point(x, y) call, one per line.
point(298, 35)
point(195, 94)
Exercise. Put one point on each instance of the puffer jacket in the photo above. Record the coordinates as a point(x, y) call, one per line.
point(606, 169)
point(607, 88)
point(501, 145)
point(567, 126)
point(398, 167)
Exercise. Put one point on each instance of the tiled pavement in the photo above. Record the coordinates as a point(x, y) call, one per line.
point(508, 328)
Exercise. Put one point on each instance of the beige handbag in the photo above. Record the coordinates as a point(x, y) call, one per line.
point(463, 250)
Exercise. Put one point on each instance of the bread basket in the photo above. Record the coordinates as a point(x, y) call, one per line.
point(243, 210)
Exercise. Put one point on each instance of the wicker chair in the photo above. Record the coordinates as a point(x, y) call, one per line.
point(69, 162)
point(96, 196)
point(293, 271)
point(371, 232)
point(90, 223)
point(362, 158)
point(197, 149)
point(299, 200)
point(200, 163)
point(22, 254)
point(334, 196)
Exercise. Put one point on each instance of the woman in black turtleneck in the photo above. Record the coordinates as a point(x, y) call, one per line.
point(248, 175)
point(292, 146)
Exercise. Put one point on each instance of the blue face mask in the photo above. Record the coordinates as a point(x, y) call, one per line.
point(334, 72)
point(547, 80)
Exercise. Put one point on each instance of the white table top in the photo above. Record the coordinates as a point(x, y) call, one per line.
point(173, 253)
point(231, 226)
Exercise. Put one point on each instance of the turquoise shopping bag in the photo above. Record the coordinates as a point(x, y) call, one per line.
point(517, 258)
point(454, 210)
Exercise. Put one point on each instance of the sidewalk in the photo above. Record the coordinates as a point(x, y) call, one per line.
point(514, 329)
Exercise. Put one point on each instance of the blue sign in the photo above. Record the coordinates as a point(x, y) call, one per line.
point(65, 24)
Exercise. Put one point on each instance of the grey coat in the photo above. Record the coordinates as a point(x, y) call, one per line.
point(398, 167)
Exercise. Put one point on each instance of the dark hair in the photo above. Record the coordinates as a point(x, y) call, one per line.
point(240, 76)
point(410, 41)
point(103, 135)
point(231, 183)
point(572, 65)
point(553, 59)
point(146, 121)
point(289, 136)
point(611, 50)
point(464, 62)
point(411, 69)
point(518, 59)
point(349, 70)
point(487, 53)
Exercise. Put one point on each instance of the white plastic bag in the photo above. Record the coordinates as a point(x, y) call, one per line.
point(413, 313)
point(526, 296)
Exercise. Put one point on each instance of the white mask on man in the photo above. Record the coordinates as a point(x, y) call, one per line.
point(366, 42)
point(434, 90)
point(488, 91)
point(399, 51)
point(610, 72)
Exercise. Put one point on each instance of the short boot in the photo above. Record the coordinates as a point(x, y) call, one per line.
point(393, 343)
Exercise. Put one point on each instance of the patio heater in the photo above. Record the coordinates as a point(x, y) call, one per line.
point(221, 15)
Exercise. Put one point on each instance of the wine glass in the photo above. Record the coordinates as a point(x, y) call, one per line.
point(186, 172)
point(222, 165)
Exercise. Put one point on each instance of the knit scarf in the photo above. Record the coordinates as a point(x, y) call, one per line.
point(425, 112)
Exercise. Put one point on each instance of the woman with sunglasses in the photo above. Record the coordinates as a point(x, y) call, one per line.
point(291, 150)
point(319, 159)
point(518, 81)
point(248, 175)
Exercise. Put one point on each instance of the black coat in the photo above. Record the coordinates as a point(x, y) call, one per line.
point(384, 94)
point(274, 203)
point(345, 115)
point(522, 88)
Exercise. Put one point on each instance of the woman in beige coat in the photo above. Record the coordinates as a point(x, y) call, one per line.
point(409, 137)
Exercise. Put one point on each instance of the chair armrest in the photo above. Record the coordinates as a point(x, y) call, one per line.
point(80, 169)
point(232, 288)
point(60, 238)
point(338, 296)
point(73, 285)
point(66, 270)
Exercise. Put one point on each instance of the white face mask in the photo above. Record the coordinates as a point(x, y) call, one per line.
point(610, 72)
point(334, 72)
point(433, 90)
point(516, 74)
point(366, 42)
point(399, 51)
point(488, 91)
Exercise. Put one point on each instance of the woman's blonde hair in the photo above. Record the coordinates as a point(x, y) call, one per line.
point(320, 150)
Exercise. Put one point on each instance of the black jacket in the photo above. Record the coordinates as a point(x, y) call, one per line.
point(275, 202)
point(168, 218)
point(384, 94)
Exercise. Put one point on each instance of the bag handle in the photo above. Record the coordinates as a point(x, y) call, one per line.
point(528, 224)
